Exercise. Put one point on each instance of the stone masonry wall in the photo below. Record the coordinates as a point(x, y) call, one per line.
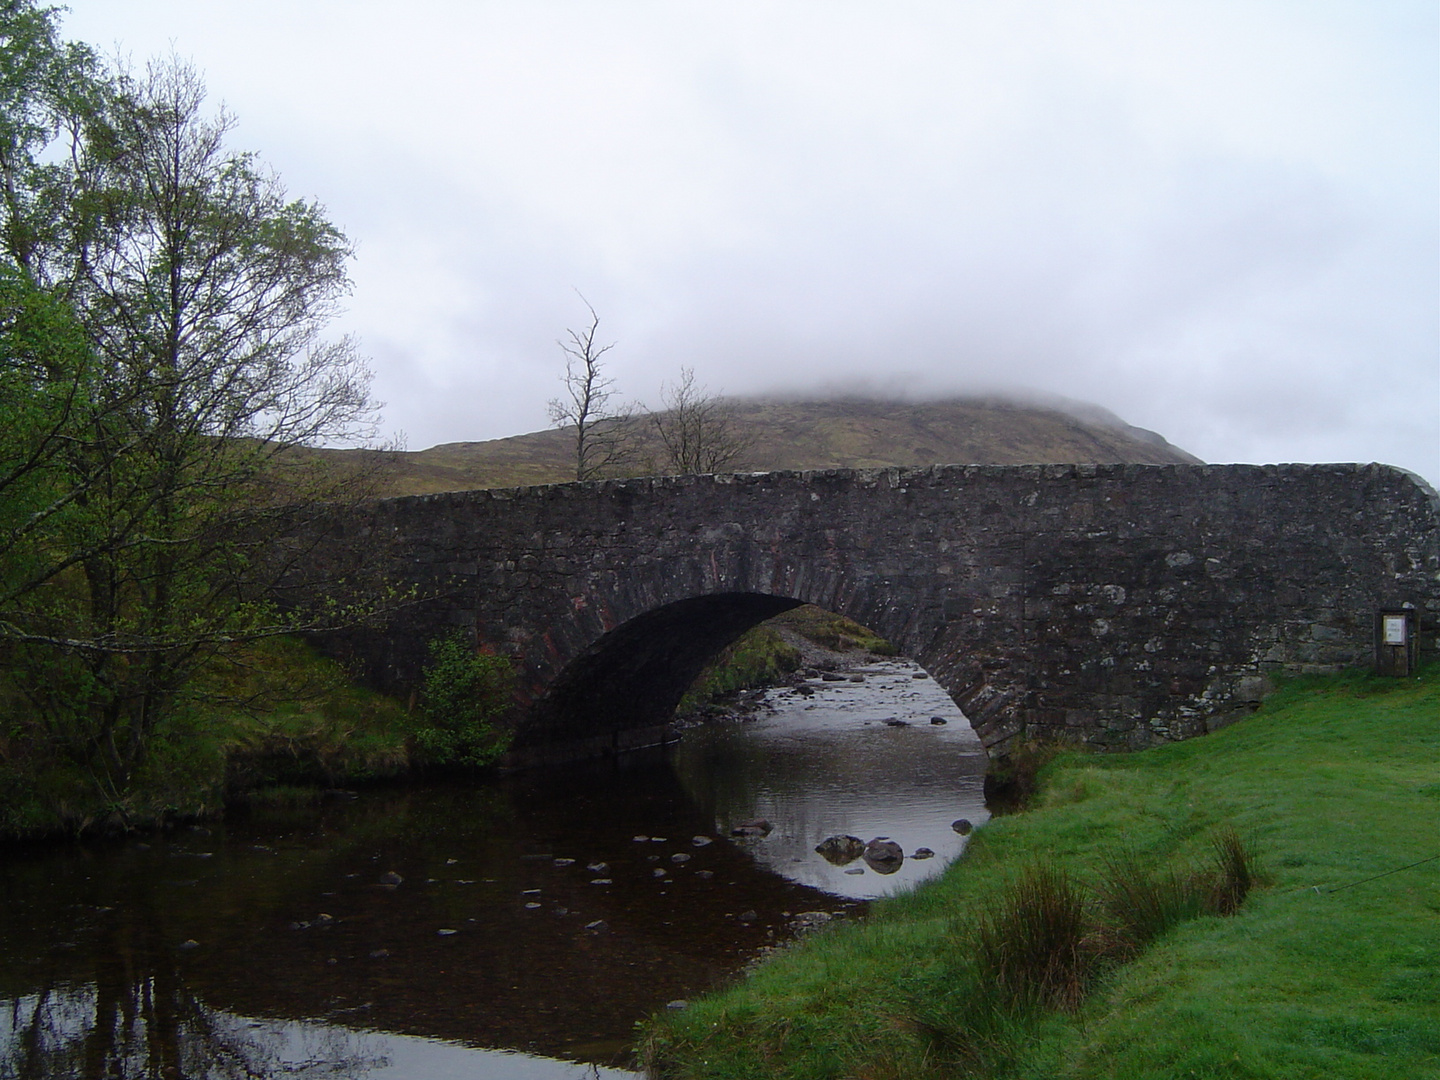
point(1119, 605)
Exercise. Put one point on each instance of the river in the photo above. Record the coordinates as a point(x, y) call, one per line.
point(513, 929)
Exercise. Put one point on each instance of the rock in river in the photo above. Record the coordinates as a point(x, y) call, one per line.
point(883, 855)
point(754, 827)
point(841, 850)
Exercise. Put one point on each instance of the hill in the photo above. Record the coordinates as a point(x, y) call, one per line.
point(849, 433)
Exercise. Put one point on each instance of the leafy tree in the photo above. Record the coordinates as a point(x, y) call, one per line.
point(161, 316)
point(605, 436)
point(45, 85)
point(465, 694)
point(697, 429)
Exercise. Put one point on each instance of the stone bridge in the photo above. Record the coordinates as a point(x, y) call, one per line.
point(1118, 605)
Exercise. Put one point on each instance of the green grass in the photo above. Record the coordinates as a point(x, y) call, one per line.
point(759, 657)
point(271, 718)
point(1319, 973)
point(833, 631)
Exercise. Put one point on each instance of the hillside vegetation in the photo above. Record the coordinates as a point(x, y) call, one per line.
point(1330, 967)
point(840, 433)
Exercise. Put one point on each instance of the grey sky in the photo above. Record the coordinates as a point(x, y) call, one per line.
point(1219, 220)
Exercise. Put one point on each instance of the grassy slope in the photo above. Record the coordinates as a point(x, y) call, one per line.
point(1333, 781)
point(849, 433)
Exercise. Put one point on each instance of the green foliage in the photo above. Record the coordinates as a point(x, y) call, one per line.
point(290, 718)
point(465, 695)
point(270, 715)
point(759, 657)
point(161, 306)
point(1319, 973)
point(833, 631)
point(1142, 902)
point(1032, 948)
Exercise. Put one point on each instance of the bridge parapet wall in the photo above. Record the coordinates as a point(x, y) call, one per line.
point(1119, 605)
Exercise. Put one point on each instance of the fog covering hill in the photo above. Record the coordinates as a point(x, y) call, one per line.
point(850, 433)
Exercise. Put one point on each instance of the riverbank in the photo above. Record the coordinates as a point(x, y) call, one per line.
point(797, 644)
point(277, 723)
point(1326, 970)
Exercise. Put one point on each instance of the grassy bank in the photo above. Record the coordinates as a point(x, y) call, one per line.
point(275, 722)
point(759, 657)
point(1327, 969)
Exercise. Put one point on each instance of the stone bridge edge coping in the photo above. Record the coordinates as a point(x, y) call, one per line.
point(897, 474)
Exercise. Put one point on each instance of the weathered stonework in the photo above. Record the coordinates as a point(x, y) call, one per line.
point(1118, 605)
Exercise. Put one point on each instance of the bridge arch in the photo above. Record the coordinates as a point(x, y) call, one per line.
point(1116, 605)
point(634, 675)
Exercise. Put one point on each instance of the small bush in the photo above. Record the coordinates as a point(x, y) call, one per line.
point(464, 696)
point(1013, 778)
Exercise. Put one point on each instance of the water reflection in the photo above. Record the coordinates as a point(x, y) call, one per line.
point(521, 915)
point(837, 759)
point(518, 929)
point(152, 1031)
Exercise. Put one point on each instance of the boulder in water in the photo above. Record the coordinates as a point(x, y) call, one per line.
point(883, 855)
point(841, 850)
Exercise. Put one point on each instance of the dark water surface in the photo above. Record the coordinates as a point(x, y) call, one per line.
point(534, 920)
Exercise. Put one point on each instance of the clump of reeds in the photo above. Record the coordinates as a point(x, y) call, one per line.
point(1033, 948)
point(1141, 902)
point(1234, 872)
point(1047, 937)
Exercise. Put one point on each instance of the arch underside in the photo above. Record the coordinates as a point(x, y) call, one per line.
point(635, 675)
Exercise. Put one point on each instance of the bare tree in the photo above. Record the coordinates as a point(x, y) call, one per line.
point(697, 430)
point(605, 436)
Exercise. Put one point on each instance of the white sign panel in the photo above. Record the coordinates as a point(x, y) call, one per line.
point(1393, 630)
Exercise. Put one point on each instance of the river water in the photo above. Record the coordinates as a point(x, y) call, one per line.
point(515, 929)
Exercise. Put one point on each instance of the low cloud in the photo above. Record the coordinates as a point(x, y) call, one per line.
point(1217, 220)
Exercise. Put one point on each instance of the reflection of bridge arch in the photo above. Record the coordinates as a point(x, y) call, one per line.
point(1121, 605)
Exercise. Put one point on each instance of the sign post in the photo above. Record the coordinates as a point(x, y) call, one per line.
point(1397, 641)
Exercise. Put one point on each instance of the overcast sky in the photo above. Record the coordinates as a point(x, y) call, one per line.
point(1219, 220)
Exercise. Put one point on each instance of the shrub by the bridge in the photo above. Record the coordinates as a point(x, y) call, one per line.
point(464, 696)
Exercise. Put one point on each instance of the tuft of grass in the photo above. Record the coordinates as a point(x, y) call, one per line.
point(1035, 948)
point(1235, 871)
point(1143, 902)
